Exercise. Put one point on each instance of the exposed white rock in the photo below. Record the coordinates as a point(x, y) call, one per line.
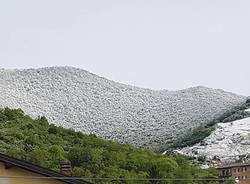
point(227, 142)
point(77, 99)
point(247, 110)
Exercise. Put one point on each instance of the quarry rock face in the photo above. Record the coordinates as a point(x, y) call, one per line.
point(75, 98)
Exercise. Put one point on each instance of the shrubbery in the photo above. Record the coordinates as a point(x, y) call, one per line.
point(45, 144)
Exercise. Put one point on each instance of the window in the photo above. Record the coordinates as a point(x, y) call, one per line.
point(234, 170)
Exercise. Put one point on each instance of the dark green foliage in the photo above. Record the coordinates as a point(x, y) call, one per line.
point(200, 133)
point(202, 159)
point(45, 144)
point(193, 137)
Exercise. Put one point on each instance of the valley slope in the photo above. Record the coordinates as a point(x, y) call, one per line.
point(75, 98)
point(229, 142)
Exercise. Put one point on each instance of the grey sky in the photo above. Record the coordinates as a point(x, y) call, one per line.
point(168, 44)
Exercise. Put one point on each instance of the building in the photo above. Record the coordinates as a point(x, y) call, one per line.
point(15, 171)
point(240, 172)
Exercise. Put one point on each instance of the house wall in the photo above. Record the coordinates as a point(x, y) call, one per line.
point(16, 171)
point(241, 172)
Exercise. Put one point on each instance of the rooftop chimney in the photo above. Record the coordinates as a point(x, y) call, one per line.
point(65, 168)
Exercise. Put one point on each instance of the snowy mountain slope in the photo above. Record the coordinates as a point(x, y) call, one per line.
point(227, 141)
point(75, 98)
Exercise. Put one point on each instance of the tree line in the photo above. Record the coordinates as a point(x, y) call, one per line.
point(39, 142)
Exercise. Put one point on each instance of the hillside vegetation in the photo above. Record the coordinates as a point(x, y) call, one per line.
point(228, 143)
point(37, 141)
point(201, 132)
point(74, 98)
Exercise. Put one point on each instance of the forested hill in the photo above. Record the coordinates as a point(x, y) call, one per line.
point(75, 98)
point(37, 141)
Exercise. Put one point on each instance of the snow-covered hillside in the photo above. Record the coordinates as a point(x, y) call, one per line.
point(77, 99)
point(227, 142)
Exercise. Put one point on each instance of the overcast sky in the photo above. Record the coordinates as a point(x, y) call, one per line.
point(158, 44)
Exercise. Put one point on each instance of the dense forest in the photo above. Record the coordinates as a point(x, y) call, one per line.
point(37, 141)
